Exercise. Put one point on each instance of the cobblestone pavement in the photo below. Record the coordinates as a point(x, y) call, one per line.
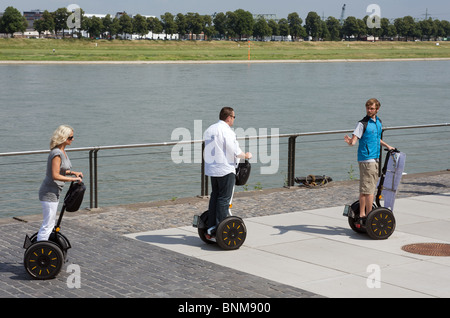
point(112, 265)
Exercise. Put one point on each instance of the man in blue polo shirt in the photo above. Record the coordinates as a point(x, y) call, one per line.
point(368, 132)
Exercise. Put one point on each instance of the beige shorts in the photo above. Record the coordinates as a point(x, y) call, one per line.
point(368, 177)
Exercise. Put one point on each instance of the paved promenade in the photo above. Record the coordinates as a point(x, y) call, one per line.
point(151, 250)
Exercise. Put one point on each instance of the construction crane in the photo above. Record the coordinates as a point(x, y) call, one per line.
point(342, 15)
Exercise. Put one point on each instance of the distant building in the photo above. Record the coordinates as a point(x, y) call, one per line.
point(32, 16)
point(90, 15)
point(266, 16)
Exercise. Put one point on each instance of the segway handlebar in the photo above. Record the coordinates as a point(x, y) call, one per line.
point(392, 150)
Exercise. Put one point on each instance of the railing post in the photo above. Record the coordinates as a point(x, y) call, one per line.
point(204, 178)
point(291, 161)
point(91, 184)
point(93, 180)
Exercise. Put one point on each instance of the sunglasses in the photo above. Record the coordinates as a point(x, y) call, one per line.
point(70, 138)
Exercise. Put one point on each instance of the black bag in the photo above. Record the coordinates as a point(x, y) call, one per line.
point(243, 172)
point(74, 196)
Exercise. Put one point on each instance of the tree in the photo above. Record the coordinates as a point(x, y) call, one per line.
point(411, 27)
point(140, 25)
point(387, 29)
point(324, 33)
point(261, 28)
point(60, 17)
point(46, 23)
point(220, 23)
point(334, 28)
point(180, 20)
point(350, 27)
point(428, 28)
point(154, 25)
point(439, 28)
point(94, 27)
point(12, 21)
point(406, 27)
point(125, 24)
point(168, 23)
point(208, 28)
point(231, 21)
point(313, 25)
point(283, 26)
point(295, 26)
point(110, 26)
point(274, 27)
point(444, 28)
point(400, 27)
point(194, 23)
point(362, 28)
point(243, 25)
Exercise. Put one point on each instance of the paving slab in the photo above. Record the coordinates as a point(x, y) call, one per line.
point(316, 250)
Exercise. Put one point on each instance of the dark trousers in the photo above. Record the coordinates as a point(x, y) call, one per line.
point(222, 191)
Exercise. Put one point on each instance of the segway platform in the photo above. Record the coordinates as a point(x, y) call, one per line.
point(230, 233)
point(380, 222)
point(44, 259)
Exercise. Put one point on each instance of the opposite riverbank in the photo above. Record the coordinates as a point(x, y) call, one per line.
point(120, 51)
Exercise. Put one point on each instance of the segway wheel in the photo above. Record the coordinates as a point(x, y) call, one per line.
point(380, 223)
point(43, 260)
point(202, 230)
point(231, 233)
point(354, 221)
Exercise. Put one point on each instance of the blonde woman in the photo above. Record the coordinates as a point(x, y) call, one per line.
point(58, 171)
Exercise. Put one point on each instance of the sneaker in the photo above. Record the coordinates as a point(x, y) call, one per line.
point(211, 230)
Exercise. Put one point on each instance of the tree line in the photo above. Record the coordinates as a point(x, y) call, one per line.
point(238, 24)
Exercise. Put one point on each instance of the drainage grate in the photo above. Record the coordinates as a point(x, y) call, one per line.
point(431, 249)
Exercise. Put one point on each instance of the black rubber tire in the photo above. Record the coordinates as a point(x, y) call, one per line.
point(231, 233)
point(380, 223)
point(43, 260)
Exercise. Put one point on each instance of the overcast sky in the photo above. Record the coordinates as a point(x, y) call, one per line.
point(437, 9)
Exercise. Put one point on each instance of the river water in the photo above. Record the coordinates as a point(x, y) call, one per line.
point(132, 104)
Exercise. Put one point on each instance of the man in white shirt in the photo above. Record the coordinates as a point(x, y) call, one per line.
point(221, 153)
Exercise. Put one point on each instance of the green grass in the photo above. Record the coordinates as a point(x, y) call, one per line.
point(144, 50)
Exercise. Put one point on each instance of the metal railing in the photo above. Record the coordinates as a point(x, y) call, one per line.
point(292, 158)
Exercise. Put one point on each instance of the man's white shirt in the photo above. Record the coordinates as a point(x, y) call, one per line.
point(221, 150)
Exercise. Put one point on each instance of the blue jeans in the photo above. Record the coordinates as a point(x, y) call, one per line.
point(222, 191)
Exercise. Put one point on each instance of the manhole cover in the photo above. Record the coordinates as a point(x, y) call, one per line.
point(431, 249)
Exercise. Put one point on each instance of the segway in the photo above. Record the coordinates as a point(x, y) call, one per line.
point(44, 259)
point(380, 222)
point(231, 231)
